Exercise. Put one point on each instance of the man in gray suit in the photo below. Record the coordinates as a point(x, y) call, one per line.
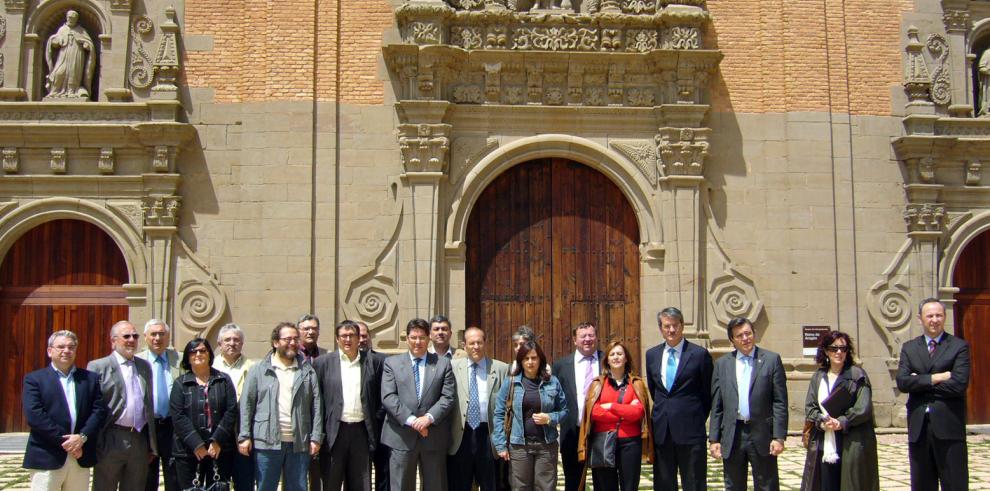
point(418, 394)
point(164, 362)
point(128, 442)
point(479, 378)
point(749, 411)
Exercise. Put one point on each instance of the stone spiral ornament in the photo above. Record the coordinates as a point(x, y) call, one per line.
point(733, 295)
point(895, 308)
point(198, 305)
point(140, 74)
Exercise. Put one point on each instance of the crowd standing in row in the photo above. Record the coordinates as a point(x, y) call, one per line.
point(310, 419)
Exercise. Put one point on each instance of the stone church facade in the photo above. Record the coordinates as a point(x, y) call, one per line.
point(798, 164)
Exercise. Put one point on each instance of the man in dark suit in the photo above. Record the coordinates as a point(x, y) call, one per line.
point(575, 373)
point(934, 371)
point(418, 394)
point(479, 378)
point(749, 411)
point(65, 411)
point(382, 452)
point(128, 442)
point(679, 374)
point(350, 402)
point(164, 360)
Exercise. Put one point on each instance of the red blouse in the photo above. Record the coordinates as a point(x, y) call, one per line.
point(630, 415)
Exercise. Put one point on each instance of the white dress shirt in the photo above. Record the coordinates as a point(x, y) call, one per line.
point(350, 385)
point(482, 379)
point(69, 389)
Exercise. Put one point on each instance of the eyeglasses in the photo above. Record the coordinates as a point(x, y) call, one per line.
point(290, 340)
point(129, 336)
point(199, 351)
point(837, 349)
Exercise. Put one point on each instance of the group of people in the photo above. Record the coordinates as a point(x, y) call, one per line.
point(313, 419)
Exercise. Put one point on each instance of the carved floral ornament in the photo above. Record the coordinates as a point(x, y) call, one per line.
point(920, 82)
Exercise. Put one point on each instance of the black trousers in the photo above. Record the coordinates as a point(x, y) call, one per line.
point(573, 469)
point(188, 468)
point(832, 473)
point(472, 462)
point(935, 461)
point(164, 461)
point(382, 456)
point(625, 475)
point(744, 454)
point(689, 460)
point(349, 461)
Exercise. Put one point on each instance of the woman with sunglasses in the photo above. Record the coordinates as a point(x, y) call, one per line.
point(203, 407)
point(842, 453)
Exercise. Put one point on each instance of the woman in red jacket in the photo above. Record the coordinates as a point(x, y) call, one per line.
point(617, 401)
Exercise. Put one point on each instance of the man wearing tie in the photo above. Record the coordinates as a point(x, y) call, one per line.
point(479, 378)
point(749, 411)
point(418, 394)
point(164, 362)
point(934, 371)
point(575, 374)
point(679, 374)
point(129, 441)
point(382, 452)
point(65, 410)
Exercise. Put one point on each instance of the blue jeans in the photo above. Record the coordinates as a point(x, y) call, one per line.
point(270, 465)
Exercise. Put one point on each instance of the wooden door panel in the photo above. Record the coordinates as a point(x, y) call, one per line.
point(972, 321)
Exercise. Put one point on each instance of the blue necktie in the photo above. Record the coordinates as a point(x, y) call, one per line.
point(161, 395)
point(473, 407)
point(747, 362)
point(671, 368)
point(416, 378)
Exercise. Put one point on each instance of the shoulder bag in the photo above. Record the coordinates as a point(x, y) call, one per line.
point(603, 445)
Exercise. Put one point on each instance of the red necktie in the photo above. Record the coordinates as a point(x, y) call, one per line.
point(931, 347)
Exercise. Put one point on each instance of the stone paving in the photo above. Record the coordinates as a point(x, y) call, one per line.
point(892, 451)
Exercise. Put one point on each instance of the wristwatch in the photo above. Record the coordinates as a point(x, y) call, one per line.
point(83, 437)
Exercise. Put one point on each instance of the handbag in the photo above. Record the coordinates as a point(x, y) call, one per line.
point(217, 485)
point(809, 428)
point(604, 444)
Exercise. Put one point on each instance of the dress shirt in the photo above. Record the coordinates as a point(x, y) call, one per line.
point(422, 384)
point(744, 368)
point(481, 377)
point(69, 389)
point(236, 371)
point(580, 368)
point(286, 376)
point(128, 371)
point(666, 354)
point(937, 340)
point(350, 385)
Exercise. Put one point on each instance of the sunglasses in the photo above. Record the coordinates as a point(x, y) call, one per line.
point(129, 336)
point(837, 349)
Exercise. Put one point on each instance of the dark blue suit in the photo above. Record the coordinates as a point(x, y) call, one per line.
point(679, 436)
point(48, 416)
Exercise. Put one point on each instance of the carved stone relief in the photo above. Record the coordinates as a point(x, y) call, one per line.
point(974, 172)
point(57, 161)
point(641, 153)
point(167, 60)
point(106, 162)
point(140, 75)
point(424, 147)
point(889, 300)
point(917, 79)
point(924, 217)
point(941, 87)
point(199, 300)
point(3, 34)
point(161, 211)
point(372, 295)
point(682, 151)
point(10, 160)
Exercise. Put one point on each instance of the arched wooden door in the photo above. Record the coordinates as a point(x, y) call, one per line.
point(63, 274)
point(552, 243)
point(972, 321)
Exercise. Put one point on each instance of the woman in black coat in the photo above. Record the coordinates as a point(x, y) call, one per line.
point(203, 408)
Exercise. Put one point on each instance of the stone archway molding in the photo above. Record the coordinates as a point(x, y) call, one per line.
point(45, 10)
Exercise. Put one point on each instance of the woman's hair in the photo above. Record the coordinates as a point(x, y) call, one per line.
point(629, 361)
point(191, 345)
point(521, 355)
point(822, 357)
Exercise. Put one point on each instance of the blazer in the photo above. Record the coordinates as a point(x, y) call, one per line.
point(563, 369)
point(399, 400)
point(497, 373)
point(947, 400)
point(115, 393)
point(327, 369)
point(767, 401)
point(47, 414)
point(684, 411)
point(187, 408)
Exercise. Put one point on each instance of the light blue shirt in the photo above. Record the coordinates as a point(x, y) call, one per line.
point(419, 390)
point(679, 349)
point(744, 370)
point(69, 389)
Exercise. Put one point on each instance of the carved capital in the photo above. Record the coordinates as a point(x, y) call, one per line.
point(956, 20)
point(424, 147)
point(924, 217)
point(682, 151)
point(57, 162)
point(11, 161)
point(161, 211)
point(106, 164)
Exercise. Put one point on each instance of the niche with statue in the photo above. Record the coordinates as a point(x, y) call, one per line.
point(69, 57)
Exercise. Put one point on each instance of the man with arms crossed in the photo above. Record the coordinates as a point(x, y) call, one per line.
point(749, 411)
point(65, 411)
point(679, 374)
point(934, 371)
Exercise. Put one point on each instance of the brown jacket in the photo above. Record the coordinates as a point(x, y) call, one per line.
point(594, 391)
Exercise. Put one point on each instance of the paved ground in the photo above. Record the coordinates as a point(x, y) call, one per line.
point(892, 450)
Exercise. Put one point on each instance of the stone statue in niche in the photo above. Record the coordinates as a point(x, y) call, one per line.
point(71, 57)
point(983, 72)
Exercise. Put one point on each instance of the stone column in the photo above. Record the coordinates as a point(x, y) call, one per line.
point(956, 21)
point(12, 69)
point(161, 215)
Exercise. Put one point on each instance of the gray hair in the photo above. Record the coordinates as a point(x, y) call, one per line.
point(927, 301)
point(117, 325)
point(62, 334)
point(671, 313)
point(155, 322)
point(309, 317)
point(524, 332)
point(231, 327)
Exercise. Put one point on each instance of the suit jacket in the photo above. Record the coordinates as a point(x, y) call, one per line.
point(328, 373)
point(684, 411)
point(563, 369)
point(946, 401)
point(115, 394)
point(47, 413)
point(497, 373)
point(767, 401)
point(380, 367)
point(399, 399)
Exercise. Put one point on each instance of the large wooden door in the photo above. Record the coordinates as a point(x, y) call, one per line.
point(63, 274)
point(972, 321)
point(551, 244)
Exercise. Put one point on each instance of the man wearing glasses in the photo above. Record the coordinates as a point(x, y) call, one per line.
point(129, 441)
point(164, 360)
point(281, 414)
point(65, 410)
